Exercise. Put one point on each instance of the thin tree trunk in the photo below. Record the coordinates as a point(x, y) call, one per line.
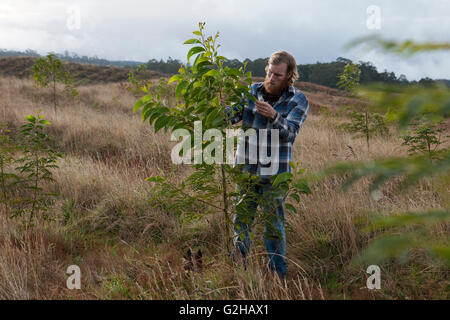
point(35, 190)
point(54, 94)
point(226, 218)
point(5, 199)
point(367, 131)
point(225, 209)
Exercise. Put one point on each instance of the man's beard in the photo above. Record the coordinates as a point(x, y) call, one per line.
point(274, 89)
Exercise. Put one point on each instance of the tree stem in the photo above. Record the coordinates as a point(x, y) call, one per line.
point(225, 208)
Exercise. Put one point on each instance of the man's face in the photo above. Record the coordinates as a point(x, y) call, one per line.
point(277, 78)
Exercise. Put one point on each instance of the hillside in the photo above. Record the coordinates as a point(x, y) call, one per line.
point(91, 74)
point(83, 73)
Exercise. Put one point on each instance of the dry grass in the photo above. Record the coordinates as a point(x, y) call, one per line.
point(83, 73)
point(130, 248)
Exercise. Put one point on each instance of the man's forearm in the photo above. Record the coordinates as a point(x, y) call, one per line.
point(290, 125)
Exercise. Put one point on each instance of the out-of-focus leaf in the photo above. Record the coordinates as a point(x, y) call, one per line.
point(407, 47)
point(291, 208)
point(387, 247)
point(409, 219)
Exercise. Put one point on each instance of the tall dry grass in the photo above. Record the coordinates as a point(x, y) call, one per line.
point(132, 248)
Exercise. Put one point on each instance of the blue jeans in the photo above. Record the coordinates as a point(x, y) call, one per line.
point(271, 200)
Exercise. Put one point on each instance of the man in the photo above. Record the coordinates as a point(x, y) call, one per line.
point(280, 109)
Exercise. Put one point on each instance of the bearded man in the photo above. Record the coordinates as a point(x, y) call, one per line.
point(279, 111)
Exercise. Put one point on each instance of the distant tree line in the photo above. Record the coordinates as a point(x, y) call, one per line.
point(170, 66)
point(73, 57)
point(326, 74)
point(13, 53)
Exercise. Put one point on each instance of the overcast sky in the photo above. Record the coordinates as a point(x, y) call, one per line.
point(314, 30)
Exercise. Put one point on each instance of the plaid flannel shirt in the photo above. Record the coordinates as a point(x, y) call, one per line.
point(291, 111)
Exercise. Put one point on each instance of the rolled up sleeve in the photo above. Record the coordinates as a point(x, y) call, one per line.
point(289, 126)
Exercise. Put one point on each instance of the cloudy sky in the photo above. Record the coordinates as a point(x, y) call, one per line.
point(314, 30)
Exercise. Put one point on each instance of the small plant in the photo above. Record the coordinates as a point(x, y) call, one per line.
point(71, 93)
point(365, 124)
point(349, 79)
point(49, 71)
point(37, 162)
point(137, 80)
point(424, 137)
point(164, 91)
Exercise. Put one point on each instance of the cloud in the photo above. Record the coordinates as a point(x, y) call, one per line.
point(311, 30)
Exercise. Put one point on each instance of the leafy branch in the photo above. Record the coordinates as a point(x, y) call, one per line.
point(403, 104)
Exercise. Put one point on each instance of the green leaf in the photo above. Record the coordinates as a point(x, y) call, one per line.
point(442, 252)
point(138, 105)
point(192, 41)
point(386, 247)
point(282, 177)
point(202, 60)
point(146, 113)
point(31, 118)
point(410, 218)
point(155, 114)
point(193, 51)
point(218, 120)
point(291, 208)
point(155, 179)
point(197, 33)
point(301, 185)
point(180, 86)
point(212, 73)
point(295, 196)
point(211, 114)
point(232, 72)
point(176, 77)
point(161, 122)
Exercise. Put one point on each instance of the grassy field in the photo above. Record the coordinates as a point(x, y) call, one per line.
point(109, 221)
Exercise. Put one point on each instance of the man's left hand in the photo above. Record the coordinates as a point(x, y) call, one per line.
point(265, 109)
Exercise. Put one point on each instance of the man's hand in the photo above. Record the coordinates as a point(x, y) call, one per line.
point(265, 109)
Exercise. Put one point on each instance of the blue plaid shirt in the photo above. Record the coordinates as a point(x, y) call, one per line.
point(291, 111)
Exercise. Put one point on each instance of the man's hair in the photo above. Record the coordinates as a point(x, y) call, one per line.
point(282, 56)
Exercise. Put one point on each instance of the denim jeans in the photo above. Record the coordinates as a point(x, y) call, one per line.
point(262, 194)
